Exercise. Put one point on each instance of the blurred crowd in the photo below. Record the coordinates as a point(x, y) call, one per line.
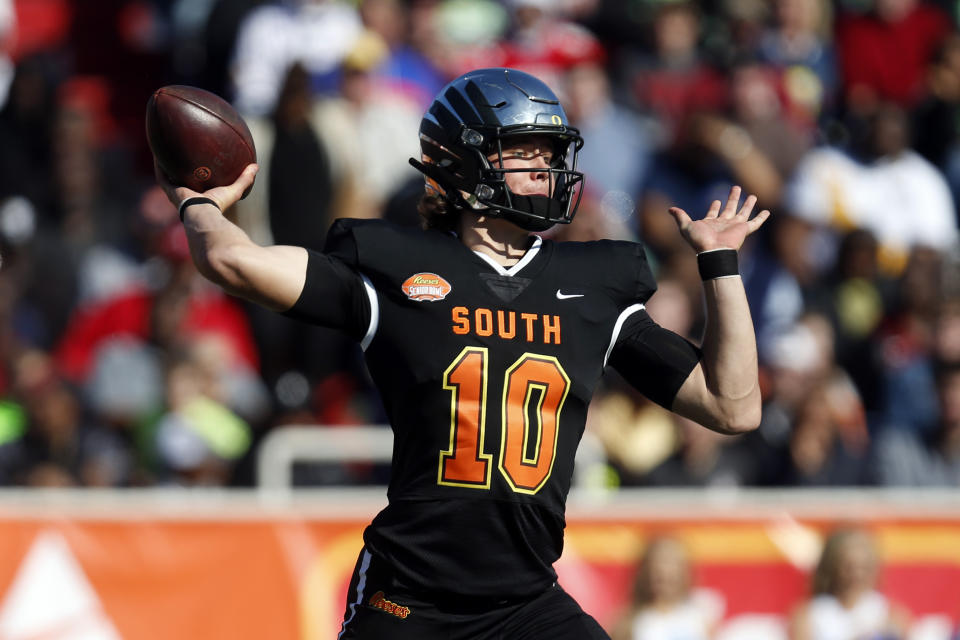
point(121, 366)
point(845, 599)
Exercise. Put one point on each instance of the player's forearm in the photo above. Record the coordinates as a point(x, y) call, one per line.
point(730, 354)
point(214, 244)
point(269, 276)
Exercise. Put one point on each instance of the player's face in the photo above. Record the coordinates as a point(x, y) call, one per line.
point(529, 152)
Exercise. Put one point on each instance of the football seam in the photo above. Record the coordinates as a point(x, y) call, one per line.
point(215, 115)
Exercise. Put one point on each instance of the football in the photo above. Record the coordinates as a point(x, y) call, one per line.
point(198, 139)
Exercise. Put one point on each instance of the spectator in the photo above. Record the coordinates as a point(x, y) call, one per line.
point(365, 130)
point(316, 33)
point(937, 136)
point(674, 80)
point(757, 107)
point(797, 361)
point(827, 444)
point(907, 458)
point(844, 602)
point(704, 458)
point(181, 308)
point(543, 42)
point(884, 53)
point(26, 125)
point(905, 340)
point(198, 440)
point(799, 44)
point(883, 186)
point(665, 604)
point(61, 446)
point(406, 71)
point(856, 295)
point(300, 181)
point(219, 38)
point(616, 163)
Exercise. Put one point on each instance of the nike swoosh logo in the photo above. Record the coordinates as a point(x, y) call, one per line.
point(564, 296)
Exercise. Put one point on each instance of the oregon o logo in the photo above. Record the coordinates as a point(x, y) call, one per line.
point(202, 173)
point(555, 119)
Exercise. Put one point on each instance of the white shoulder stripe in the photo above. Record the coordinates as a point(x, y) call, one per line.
point(374, 312)
point(626, 313)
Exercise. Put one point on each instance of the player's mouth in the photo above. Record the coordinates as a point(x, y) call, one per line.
point(542, 191)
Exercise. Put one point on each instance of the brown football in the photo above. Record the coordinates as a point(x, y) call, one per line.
point(197, 138)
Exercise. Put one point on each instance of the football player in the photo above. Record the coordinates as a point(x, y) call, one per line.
point(486, 343)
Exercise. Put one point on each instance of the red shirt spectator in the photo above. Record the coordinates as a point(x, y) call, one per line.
point(883, 55)
point(130, 314)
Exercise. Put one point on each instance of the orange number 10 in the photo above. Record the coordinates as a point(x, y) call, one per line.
point(527, 445)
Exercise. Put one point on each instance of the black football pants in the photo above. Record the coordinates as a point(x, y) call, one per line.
point(377, 610)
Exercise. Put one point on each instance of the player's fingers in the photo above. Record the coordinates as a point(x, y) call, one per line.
point(747, 207)
point(714, 209)
point(225, 197)
point(757, 221)
point(730, 209)
point(249, 172)
point(244, 180)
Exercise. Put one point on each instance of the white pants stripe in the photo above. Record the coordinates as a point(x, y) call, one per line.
point(361, 585)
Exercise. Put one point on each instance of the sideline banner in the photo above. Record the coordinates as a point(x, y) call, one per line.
point(259, 574)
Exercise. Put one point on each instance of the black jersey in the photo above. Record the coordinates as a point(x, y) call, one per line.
point(486, 373)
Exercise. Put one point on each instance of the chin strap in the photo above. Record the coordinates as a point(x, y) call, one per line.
point(539, 206)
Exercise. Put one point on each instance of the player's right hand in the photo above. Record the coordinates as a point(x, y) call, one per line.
point(225, 196)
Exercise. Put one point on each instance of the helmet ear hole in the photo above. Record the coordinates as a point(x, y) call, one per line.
point(472, 138)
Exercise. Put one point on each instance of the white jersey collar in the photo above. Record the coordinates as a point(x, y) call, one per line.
point(514, 269)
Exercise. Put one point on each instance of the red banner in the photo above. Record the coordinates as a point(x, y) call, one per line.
point(144, 576)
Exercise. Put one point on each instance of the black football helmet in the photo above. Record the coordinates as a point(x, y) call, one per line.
point(468, 122)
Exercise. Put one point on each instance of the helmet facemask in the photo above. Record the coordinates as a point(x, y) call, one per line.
point(532, 212)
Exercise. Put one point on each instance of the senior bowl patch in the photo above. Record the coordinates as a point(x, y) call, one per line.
point(379, 601)
point(426, 287)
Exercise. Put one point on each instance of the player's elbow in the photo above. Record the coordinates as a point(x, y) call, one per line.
point(741, 416)
point(223, 265)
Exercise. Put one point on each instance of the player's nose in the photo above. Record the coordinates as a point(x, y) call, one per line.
point(539, 165)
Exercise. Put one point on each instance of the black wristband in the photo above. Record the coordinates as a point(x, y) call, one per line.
point(718, 263)
point(195, 200)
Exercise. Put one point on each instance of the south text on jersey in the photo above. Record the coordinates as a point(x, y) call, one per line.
point(509, 325)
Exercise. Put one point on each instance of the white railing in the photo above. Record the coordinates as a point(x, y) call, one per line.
point(285, 446)
point(335, 503)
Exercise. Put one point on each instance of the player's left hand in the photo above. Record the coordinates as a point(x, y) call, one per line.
point(724, 228)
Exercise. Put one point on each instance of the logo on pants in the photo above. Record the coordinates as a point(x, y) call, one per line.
point(378, 601)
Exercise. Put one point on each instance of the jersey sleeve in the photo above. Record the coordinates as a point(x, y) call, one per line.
point(629, 276)
point(334, 295)
point(654, 360)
